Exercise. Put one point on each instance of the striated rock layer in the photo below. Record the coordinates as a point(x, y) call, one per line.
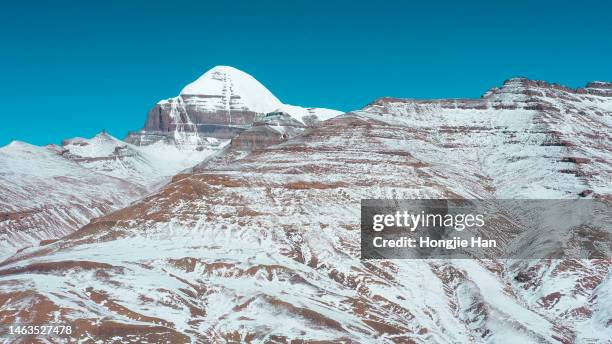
point(266, 130)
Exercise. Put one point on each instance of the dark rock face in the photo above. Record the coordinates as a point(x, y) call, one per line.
point(158, 120)
point(273, 128)
point(182, 114)
point(258, 137)
point(586, 193)
point(185, 114)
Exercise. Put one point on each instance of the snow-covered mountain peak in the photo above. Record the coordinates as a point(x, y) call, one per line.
point(147, 165)
point(13, 145)
point(103, 144)
point(101, 136)
point(220, 104)
point(235, 88)
point(104, 136)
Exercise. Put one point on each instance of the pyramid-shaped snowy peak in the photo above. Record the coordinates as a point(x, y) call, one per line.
point(230, 88)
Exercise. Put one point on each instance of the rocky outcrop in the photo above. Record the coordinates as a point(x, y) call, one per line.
point(184, 114)
point(269, 129)
point(597, 88)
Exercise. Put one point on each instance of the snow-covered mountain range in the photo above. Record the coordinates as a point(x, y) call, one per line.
point(38, 192)
point(48, 192)
point(265, 231)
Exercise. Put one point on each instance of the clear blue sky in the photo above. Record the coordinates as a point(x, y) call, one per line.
point(73, 68)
